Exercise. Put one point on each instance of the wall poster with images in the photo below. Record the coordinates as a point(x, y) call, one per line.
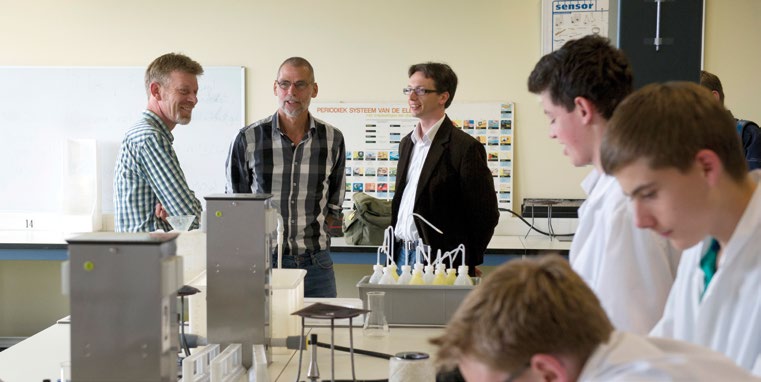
point(564, 20)
point(372, 132)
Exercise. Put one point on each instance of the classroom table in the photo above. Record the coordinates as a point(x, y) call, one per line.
point(40, 356)
point(31, 260)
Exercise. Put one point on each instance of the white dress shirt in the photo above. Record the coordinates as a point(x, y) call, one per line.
point(405, 229)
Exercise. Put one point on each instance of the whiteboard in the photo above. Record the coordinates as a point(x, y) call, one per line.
point(43, 107)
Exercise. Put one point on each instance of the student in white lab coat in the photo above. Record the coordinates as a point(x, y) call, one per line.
point(676, 153)
point(631, 270)
point(536, 320)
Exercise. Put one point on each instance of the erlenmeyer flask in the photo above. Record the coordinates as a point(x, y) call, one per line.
point(375, 319)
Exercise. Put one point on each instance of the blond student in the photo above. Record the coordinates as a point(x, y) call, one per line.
point(675, 151)
point(536, 320)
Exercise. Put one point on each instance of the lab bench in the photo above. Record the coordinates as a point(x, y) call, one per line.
point(30, 272)
point(40, 356)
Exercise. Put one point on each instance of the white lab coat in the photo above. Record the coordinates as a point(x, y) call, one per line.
point(629, 357)
point(630, 269)
point(728, 319)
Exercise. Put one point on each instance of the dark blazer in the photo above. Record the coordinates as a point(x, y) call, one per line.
point(455, 193)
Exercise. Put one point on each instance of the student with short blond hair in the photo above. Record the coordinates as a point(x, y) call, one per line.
point(537, 320)
point(675, 152)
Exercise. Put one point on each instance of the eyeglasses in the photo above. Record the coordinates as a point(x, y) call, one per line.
point(285, 85)
point(418, 91)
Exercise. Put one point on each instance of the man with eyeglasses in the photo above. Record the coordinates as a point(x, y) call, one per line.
point(442, 175)
point(300, 160)
point(537, 320)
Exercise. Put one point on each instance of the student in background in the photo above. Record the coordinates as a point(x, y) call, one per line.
point(675, 152)
point(442, 173)
point(750, 133)
point(631, 270)
point(301, 161)
point(149, 184)
point(536, 320)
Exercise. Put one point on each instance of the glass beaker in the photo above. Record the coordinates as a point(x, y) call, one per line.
point(375, 319)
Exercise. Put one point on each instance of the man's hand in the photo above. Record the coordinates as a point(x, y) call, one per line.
point(478, 272)
point(161, 212)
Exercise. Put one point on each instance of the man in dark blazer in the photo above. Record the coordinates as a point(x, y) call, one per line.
point(442, 173)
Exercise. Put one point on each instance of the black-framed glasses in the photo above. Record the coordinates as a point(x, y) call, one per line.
point(419, 91)
point(285, 85)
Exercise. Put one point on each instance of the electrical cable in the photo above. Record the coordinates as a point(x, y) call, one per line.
point(532, 226)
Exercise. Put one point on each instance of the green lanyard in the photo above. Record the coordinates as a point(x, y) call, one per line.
point(708, 264)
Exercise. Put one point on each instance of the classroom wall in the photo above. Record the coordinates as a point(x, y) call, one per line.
point(733, 52)
point(360, 50)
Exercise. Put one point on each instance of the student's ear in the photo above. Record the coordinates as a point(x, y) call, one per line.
point(443, 98)
point(155, 90)
point(716, 95)
point(585, 108)
point(710, 165)
point(549, 368)
point(314, 90)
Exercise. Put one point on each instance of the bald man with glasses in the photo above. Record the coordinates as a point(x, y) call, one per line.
point(300, 160)
point(442, 174)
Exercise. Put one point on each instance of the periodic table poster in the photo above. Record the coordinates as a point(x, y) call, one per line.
point(372, 132)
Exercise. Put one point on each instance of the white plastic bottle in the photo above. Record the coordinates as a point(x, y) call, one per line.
point(462, 276)
point(417, 275)
point(428, 275)
point(406, 276)
point(387, 278)
point(377, 274)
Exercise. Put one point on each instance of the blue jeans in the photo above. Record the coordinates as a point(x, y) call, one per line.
point(400, 255)
point(320, 280)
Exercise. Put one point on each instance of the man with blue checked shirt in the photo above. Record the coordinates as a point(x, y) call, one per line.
point(149, 184)
point(300, 160)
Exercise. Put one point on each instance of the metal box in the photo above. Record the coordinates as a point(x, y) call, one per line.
point(123, 290)
point(240, 236)
point(424, 305)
